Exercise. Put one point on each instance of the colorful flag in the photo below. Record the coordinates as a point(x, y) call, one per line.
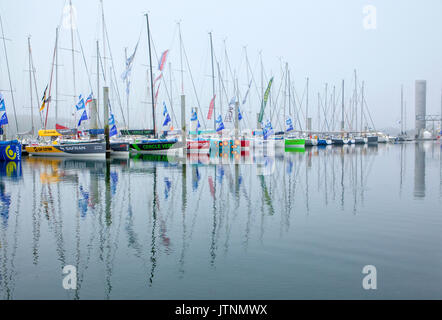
point(165, 109)
point(219, 124)
point(166, 120)
point(289, 124)
point(111, 120)
point(44, 100)
point(211, 107)
point(4, 119)
point(89, 99)
point(268, 130)
point(113, 131)
point(162, 61)
point(264, 101)
point(80, 104)
point(194, 116)
point(2, 103)
point(83, 117)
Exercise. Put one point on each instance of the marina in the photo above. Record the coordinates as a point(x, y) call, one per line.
point(161, 159)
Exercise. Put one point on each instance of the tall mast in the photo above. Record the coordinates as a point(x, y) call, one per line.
point(30, 85)
point(72, 48)
point(342, 111)
point(151, 76)
point(9, 73)
point(213, 82)
point(103, 26)
point(127, 92)
point(290, 95)
point(98, 79)
point(362, 105)
point(285, 96)
point(355, 105)
point(306, 109)
point(56, 75)
point(181, 60)
point(402, 109)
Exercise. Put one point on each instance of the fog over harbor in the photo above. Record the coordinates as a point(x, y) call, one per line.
point(322, 40)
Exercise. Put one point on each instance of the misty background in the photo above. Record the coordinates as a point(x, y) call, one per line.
point(320, 39)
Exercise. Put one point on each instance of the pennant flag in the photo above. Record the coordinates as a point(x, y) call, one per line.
point(268, 130)
point(194, 116)
point(289, 124)
point(44, 100)
point(89, 99)
point(2, 103)
point(219, 124)
point(111, 120)
point(113, 131)
point(162, 61)
point(4, 119)
point(247, 93)
point(83, 117)
point(80, 104)
point(165, 109)
point(198, 125)
point(211, 107)
point(264, 101)
point(166, 120)
point(239, 114)
point(129, 62)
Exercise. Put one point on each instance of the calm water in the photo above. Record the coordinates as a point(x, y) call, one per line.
point(293, 226)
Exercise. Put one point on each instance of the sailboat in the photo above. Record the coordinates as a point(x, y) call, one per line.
point(64, 142)
point(149, 143)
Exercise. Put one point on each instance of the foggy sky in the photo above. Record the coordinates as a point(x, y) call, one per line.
point(320, 39)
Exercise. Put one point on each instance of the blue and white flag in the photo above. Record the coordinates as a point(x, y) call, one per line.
point(83, 118)
point(194, 116)
point(164, 109)
point(166, 120)
point(239, 114)
point(2, 103)
point(111, 119)
point(219, 124)
point(268, 130)
point(80, 104)
point(198, 125)
point(113, 131)
point(129, 63)
point(4, 119)
point(289, 124)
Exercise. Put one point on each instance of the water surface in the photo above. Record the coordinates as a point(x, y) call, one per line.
point(290, 226)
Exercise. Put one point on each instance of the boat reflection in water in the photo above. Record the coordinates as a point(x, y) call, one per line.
point(256, 225)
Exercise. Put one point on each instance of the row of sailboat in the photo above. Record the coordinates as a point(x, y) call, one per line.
point(94, 142)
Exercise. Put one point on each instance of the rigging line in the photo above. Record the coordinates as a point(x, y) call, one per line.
point(84, 61)
point(35, 86)
point(193, 83)
point(300, 108)
point(9, 74)
point(113, 72)
point(164, 82)
point(276, 100)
